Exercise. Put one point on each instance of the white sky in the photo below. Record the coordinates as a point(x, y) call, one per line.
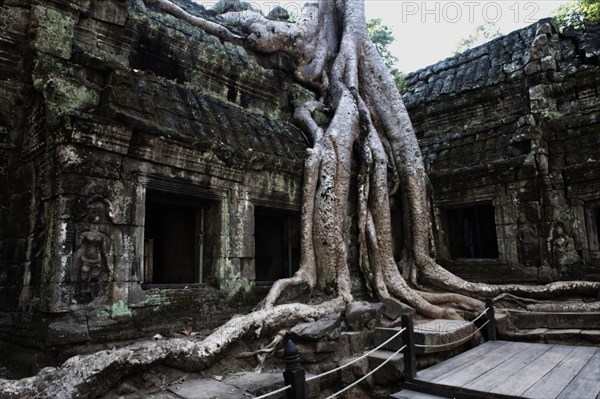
point(427, 31)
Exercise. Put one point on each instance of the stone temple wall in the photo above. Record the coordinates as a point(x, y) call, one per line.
point(115, 117)
point(511, 136)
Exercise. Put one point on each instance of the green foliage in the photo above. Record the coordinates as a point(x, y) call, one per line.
point(483, 33)
point(577, 13)
point(321, 118)
point(381, 36)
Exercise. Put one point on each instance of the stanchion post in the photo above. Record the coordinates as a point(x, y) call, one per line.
point(294, 374)
point(408, 339)
point(491, 327)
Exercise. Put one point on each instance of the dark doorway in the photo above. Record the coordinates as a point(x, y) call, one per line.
point(276, 244)
point(471, 232)
point(173, 239)
point(593, 228)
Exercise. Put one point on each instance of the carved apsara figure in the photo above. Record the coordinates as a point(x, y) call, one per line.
point(92, 255)
point(529, 248)
point(564, 253)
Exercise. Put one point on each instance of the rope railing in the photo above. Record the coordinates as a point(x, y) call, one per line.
point(357, 359)
point(366, 375)
point(481, 315)
point(296, 381)
point(285, 388)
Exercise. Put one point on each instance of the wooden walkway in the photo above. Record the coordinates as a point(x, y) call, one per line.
point(501, 369)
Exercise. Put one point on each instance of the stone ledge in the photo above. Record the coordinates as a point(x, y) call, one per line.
point(440, 332)
point(563, 320)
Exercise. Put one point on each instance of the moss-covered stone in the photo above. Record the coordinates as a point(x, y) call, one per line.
point(65, 97)
point(120, 309)
point(299, 95)
point(54, 31)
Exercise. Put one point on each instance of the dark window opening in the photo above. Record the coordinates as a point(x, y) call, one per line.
point(173, 239)
point(521, 148)
point(276, 245)
point(471, 232)
point(593, 227)
point(154, 52)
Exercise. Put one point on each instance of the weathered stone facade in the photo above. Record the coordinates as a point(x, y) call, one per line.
point(511, 136)
point(150, 179)
point(135, 153)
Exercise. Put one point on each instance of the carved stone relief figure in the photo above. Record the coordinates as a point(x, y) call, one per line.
point(529, 248)
point(564, 253)
point(93, 248)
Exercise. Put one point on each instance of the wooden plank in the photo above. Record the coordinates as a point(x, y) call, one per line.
point(553, 383)
point(482, 365)
point(458, 362)
point(512, 366)
point(519, 383)
point(407, 394)
point(587, 383)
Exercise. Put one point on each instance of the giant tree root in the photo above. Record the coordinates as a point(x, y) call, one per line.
point(435, 275)
point(263, 353)
point(573, 305)
point(91, 375)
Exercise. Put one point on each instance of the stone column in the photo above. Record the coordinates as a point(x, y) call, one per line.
point(235, 265)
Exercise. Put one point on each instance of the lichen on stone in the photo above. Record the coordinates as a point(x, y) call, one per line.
point(54, 31)
point(120, 309)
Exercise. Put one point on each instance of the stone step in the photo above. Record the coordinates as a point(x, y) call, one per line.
point(563, 320)
point(555, 335)
point(438, 332)
point(382, 334)
point(391, 372)
point(429, 332)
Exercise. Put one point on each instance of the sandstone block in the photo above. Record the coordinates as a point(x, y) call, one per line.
point(361, 315)
point(391, 371)
point(328, 328)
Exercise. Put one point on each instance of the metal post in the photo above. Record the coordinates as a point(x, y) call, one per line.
point(294, 373)
point(408, 339)
point(491, 327)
